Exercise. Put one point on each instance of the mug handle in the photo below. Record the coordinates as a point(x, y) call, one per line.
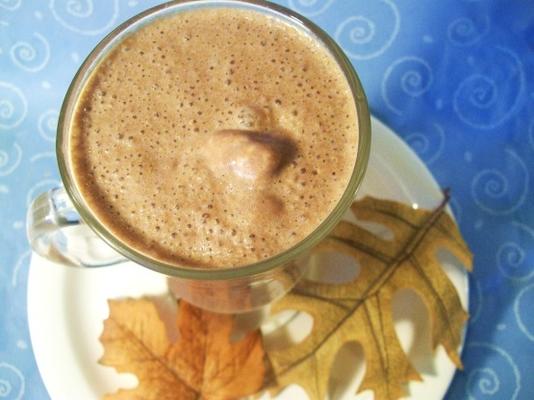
point(56, 232)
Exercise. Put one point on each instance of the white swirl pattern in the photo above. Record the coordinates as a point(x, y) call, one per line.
point(12, 382)
point(10, 5)
point(359, 36)
point(491, 186)
point(9, 161)
point(484, 102)
point(523, 311)
point(486, 379)
point(43, 156)
point(407, 78)
point(23, 260)
point(486, 382)
point(464, 32)
point(13, 106)
point(81, 17)
point(428, 145)
point(26, 56)
point(81, 9)
point(310, 8)
point(47, 125)
point(511, 255)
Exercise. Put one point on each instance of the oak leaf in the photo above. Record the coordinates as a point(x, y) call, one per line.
point(201, 364)
point(361, 310)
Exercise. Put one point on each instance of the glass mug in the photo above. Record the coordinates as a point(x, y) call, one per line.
point(62, 228)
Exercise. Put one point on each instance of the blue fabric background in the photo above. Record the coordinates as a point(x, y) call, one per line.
point(455, 78)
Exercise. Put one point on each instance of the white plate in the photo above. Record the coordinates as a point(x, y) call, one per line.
point(66, 306)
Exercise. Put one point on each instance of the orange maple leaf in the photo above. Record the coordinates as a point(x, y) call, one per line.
point(202, 364)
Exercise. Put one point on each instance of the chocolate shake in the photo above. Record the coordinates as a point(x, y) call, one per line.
point(214, 138)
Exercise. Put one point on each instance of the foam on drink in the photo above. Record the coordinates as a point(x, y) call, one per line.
point(214, 138)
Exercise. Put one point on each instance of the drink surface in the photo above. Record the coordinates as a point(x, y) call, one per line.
point(214, 138)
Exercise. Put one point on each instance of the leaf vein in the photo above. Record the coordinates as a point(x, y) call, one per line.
point(156, 357)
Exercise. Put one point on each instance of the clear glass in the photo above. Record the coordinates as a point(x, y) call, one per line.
point(53, 215)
